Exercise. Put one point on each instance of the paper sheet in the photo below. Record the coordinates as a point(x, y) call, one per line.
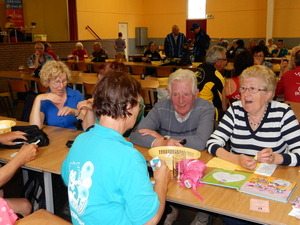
point(221, 163)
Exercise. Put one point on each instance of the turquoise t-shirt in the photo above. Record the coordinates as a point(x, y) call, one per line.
point(108, 181)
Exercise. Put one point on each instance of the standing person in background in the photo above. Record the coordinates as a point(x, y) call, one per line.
point(39, 58)
point(201, 42)
point(9, 25)
point(120, 44)
point(280, 51)
point(48, 50)
point(79, 51)
point(174, 42)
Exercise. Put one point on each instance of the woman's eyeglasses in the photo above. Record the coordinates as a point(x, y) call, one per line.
point(250, 89)
point(57, 83)
point(142, 106)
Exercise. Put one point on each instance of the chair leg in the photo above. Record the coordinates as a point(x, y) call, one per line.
point(15, 108)
point(7, 99)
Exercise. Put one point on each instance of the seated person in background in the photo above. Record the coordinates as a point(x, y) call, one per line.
point(252, 43)
point(79, 51)
point(231, 91)
point(127, 195)
point(9, 25)
point(48, 50)
point(259, 57)
point(271, 45)
point(280, 51)
point(26, 153)
point(253, 119)
point(99, 54)
point(151, 54)
point(261, 43)
point(57, 107)
point(210, 81)
point(182, 116)
point(287, 65)
point(289, 82)
point(240, 46)
point(89, 118)
point(39, 58)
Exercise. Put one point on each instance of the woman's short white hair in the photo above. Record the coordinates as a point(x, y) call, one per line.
point(183, 75)
point(79, 44)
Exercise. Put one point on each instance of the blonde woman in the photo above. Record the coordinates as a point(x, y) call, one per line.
point(57, 107)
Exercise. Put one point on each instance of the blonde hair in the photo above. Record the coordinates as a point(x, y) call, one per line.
point(266, 74)
point(79, 44)
point(291, 65)
point(51, 70)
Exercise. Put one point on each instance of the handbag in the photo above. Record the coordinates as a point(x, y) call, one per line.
point(33, 134)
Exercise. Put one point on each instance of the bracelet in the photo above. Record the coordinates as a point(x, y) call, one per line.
point(77, 114)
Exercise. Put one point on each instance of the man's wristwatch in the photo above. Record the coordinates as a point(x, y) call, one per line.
point(167, 137)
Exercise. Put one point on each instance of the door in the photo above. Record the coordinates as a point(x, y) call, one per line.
point(123, 27)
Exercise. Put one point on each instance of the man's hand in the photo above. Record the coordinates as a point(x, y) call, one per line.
point(7, 138)
point(152, 133)
point(26, 153)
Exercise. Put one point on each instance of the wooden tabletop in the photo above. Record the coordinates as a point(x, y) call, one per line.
point(220, 200)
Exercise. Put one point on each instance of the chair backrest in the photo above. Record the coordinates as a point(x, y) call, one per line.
point(295, 107)
point(137, 70)
point(88, 88)
point(82, 66)
point(163, 71)
point(18, 85)
point(148, 96)
point(70, 65)
point(41, 88)
point(96, 68)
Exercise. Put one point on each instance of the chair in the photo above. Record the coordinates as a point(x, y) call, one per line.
point(295, 107)
point(96, 68)
point(163, 71)
point(82, 67)
point(41, 89)
point(42, 217)
point(138, 70)
point(22, 89)
point(4, 96)
point(88, 89)
point(70, 65)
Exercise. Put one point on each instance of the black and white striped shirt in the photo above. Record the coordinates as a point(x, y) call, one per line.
point(279, 130)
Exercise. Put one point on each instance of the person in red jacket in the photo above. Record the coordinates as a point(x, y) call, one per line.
point(80, 52)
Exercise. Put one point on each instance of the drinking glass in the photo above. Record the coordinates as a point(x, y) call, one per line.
point(32, 69)
point(21, 69)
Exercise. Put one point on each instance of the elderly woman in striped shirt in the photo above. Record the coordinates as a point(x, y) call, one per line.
point(259, 129)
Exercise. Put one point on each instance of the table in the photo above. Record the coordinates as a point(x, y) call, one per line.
point(49, 158)
point(220, 200)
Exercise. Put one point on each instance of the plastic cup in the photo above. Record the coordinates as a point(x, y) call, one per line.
point(178, 166)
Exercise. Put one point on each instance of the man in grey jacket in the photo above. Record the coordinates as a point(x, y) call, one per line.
point(182, 116)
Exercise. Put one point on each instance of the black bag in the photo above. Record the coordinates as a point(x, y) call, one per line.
point(34, 192)
point(33, 134)
point(98, 59)
point(37, 71)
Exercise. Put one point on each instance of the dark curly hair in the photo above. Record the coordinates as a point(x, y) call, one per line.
point(114, 93)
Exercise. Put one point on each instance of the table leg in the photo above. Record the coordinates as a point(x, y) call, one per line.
point(48, 192)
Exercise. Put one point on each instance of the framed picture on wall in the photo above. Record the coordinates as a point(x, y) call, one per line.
point(40, 37)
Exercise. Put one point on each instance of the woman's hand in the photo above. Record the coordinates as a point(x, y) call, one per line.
point(266, 156)
point(65, 111)
point(86, 104)
point(55, 99)
point(247, 162)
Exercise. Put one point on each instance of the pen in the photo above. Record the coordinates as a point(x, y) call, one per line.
point(255, 158)
point(35, 143)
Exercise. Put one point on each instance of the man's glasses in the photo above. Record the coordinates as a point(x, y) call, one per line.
point(57, 83)
point(251, 89)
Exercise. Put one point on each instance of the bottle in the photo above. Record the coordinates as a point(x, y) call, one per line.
point(142, 77)
point(77, 58)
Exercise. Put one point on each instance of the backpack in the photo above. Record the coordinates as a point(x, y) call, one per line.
point(34, 192)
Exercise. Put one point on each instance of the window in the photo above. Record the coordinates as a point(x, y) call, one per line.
point(196, 9)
